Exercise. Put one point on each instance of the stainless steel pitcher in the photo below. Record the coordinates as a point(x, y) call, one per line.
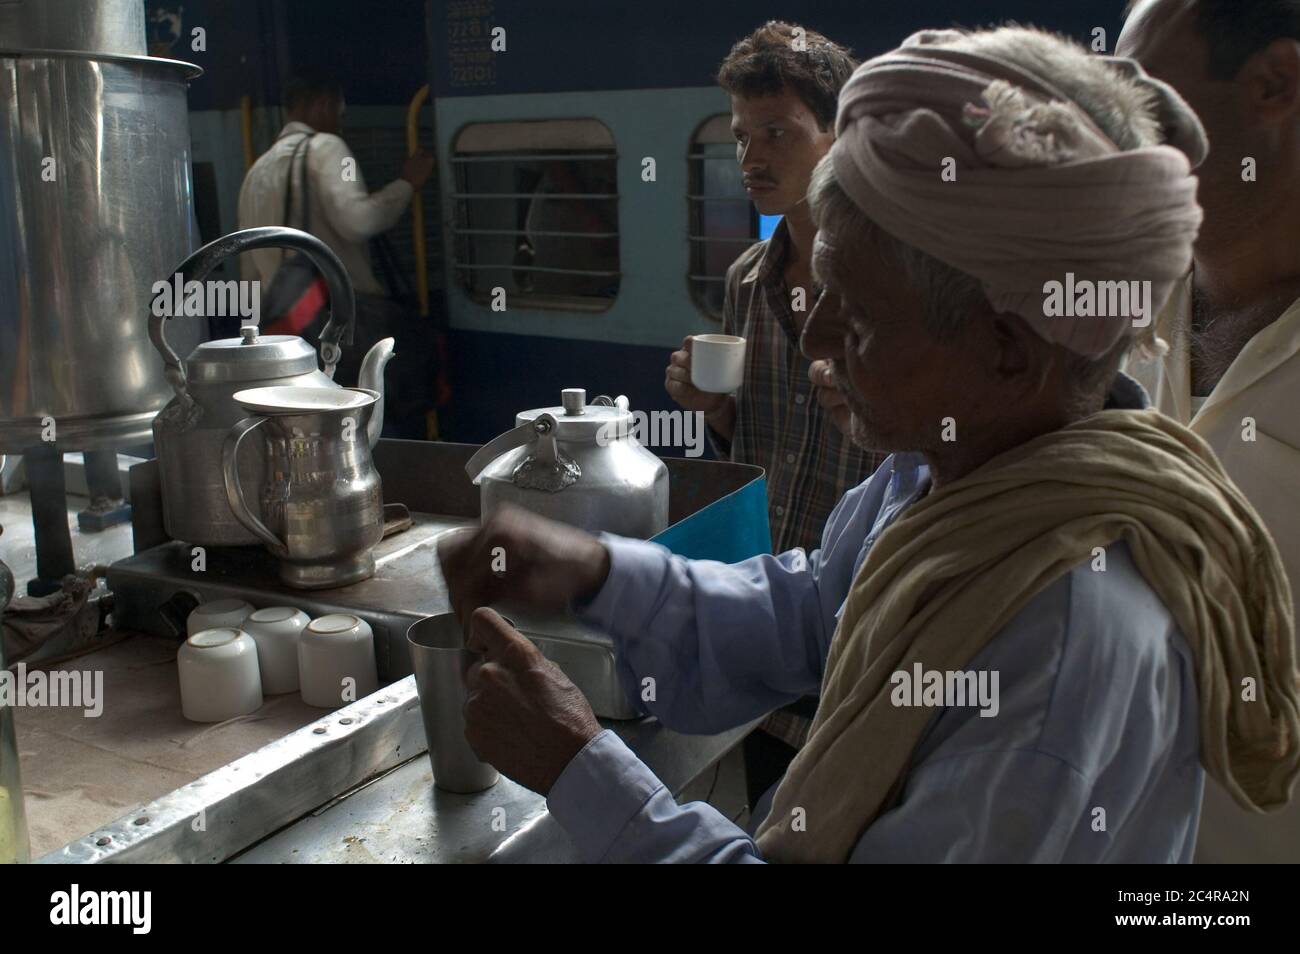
point(321, 499)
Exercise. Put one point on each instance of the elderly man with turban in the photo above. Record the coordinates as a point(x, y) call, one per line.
point(1045, 617)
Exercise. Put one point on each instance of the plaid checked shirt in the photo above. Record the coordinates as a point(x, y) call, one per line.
point(779, 424)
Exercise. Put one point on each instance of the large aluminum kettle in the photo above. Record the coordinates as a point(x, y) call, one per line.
point(577, 463)
point(190, 430)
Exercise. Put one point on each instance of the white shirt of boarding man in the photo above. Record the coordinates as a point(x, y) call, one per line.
point(341, 212)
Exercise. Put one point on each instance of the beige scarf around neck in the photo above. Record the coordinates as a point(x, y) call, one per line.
point(954, 569)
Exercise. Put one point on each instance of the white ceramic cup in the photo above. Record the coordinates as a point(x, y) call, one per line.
point(336, 661)
point(717, 362)
point(217, 614)
point(277, 630)
point(219, 675)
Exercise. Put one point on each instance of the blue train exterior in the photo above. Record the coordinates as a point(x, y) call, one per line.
point(644, 70)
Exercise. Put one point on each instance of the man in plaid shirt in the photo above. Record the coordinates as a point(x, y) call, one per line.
point(784, 82)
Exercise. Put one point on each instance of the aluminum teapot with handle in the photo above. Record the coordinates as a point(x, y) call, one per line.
point(190, 430)
point(578, 463)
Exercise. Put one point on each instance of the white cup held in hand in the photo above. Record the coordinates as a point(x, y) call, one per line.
point(717, 362)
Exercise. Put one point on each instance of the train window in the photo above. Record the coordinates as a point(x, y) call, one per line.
point(536, 213)
point(723, 223)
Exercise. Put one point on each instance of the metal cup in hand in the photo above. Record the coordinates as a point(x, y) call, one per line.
point(440, 661)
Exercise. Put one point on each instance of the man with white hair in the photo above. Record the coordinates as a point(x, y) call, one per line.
point(1032, 626)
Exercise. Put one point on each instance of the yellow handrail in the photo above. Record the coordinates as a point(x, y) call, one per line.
point(417, 206)
point(246, 129)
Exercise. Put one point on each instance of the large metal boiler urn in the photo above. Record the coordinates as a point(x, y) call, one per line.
point(96, 201)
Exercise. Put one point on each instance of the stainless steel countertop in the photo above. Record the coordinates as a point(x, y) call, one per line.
point(401, 818)
point(356, 785)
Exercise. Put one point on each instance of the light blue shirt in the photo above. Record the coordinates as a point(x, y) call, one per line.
point(1093, 755)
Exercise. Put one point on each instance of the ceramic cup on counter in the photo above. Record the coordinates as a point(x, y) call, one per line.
point(219, 675)
point(440, 660)
point(277, 630)
point(336, 661)
point(717, 362)
point(217, 614)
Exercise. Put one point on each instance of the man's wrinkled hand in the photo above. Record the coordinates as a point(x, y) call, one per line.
point(522, 558)
point(523, 715)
